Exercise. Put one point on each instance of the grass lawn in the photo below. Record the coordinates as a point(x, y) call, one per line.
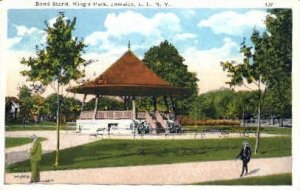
point(46, 126)
point(18, 141)
point(279, 179)
point(112, 153)
point(237, 129)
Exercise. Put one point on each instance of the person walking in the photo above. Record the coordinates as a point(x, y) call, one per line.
point(244, 155)
point(35, 158)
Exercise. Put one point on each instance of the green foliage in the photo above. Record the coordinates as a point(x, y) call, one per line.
point(32, 105)
point(268, 60)
point(104, 103)
point(279, 59)
point(26, 102)
point(69, 107)
point(60, 59)
point(278, 179)
point(167, 63)
point(224, 104)
point(113, 153)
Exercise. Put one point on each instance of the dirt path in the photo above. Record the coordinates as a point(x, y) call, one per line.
point(68, 139)
point(185, 173)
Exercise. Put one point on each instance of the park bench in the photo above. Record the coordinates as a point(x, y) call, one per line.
point(247, 132)
point(99, 132)
point(212, 130)
point(202, 134)
point(225, 132)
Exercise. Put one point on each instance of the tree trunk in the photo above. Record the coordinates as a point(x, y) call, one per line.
point(57, 128)
point(258, 119)
point(258, 131)
point(243, 118)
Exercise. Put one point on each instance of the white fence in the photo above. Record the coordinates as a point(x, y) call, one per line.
point(268, 122)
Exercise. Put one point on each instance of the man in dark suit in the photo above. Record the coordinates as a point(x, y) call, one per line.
point(245, 155)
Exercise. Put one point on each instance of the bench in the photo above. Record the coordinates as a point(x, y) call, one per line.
point(99, 132)
point(247, 132)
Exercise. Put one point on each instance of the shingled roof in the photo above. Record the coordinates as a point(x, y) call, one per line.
point(127, 76)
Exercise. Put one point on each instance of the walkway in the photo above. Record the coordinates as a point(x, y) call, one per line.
point(20, 153)
point(185, 173)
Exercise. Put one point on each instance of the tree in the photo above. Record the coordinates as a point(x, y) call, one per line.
point(38, 107)
point(26, 106)
point(251, 71)
point(70, 109)
point(224, 103)
point(51, 106)
point(167, 63)
point(69, 106)
point(58, 62)
point(279, 25)
point(267, 63)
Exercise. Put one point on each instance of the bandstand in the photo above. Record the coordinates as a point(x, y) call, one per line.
point(127, 78)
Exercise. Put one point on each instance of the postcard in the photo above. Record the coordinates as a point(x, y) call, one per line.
point(163, 94)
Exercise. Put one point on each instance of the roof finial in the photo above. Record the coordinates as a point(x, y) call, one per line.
point(128, 44)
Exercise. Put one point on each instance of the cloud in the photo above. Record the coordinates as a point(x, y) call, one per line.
point(189, 13)
point(184, 36)
point(206, 63)
point(132, 22)
point(129, 23)
point(95, 37)
point(233, 23)
point(27, 38)
point(23, 30)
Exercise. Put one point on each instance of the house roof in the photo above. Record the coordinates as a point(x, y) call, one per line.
point(128, 76)
point(12, 98)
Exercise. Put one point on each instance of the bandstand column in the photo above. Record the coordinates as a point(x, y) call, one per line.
point(154, 103)
point(173, 106)
point(133, 108)
point(167, 106)
point(83, 102)
point(96, 105)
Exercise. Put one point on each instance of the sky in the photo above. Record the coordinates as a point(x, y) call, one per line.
point(204, 37)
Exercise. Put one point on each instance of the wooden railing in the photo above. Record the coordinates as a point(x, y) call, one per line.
point(128, 114)
point(86, 115)
point(114, 115)
point(111, 115)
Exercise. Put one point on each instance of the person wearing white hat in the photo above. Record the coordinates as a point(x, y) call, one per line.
point(35, 158)
point(245, 155)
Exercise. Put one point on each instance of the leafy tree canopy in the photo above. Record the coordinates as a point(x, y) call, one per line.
point(61, 56)
point(167, 63)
